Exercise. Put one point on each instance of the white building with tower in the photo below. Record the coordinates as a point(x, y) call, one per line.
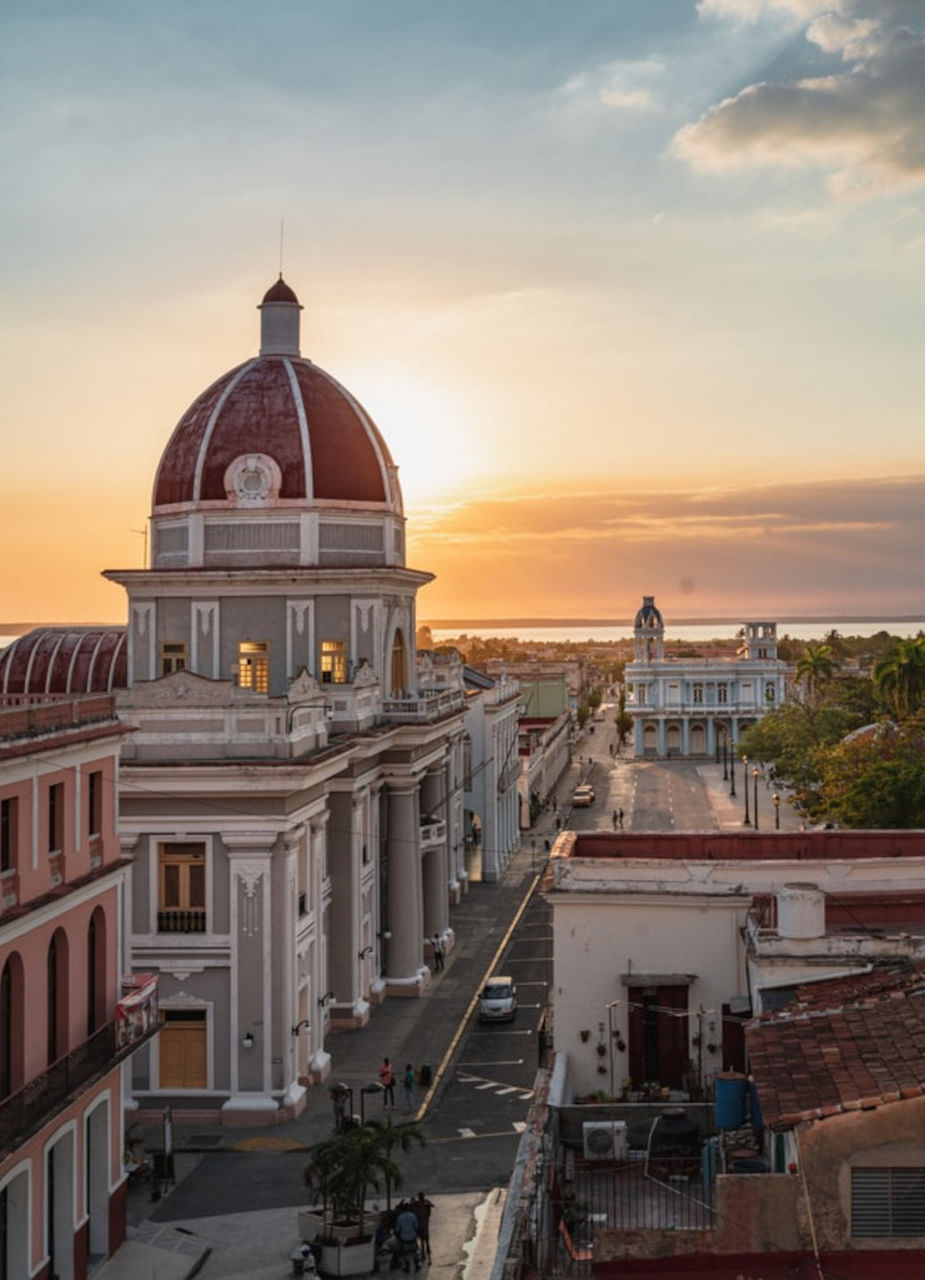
point(694, 707)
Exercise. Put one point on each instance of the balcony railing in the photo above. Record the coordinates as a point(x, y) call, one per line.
point(191, 920)
point(25, 1112)
point(433, 832)
point(425, 706)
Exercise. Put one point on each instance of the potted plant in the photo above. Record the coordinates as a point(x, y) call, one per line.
point(340, 1174)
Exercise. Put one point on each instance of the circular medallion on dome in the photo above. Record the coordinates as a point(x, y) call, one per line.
point(252, 479)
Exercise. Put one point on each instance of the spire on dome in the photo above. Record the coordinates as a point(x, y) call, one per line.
point(279, 321)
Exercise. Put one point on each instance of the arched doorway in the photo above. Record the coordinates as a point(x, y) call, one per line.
point(698, 740)
point(97, 1180)
point(673, 740)
point(650, 740)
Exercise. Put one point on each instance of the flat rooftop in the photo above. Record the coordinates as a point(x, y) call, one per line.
point(742, 846)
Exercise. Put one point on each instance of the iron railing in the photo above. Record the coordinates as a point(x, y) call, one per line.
point(26, 1111)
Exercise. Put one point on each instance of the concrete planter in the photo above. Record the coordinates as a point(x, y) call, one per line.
point(342, 1254)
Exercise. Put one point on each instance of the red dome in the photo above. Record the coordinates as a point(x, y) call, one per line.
point(325, 444)
point(64, 660)
point(282, 407)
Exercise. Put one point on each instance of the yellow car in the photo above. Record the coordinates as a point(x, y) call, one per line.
point(583, 796)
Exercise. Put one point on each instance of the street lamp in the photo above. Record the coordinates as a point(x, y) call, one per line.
point(755, 780)
point(747, 822)
point(725, 759)
point(776, 801)
point(732, 769)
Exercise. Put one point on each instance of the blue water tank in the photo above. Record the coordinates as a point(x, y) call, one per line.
point(730, 1094)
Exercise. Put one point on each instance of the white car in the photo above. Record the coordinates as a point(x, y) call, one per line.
point(498, 1001)
point(583, 796)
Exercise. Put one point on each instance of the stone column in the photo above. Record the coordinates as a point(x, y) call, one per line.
point(403, 953)
point(251, 995)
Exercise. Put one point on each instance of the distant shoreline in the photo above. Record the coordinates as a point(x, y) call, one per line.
point(446, 624)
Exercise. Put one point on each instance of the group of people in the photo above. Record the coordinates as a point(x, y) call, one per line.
point(403, 1235)
point(387, 1080)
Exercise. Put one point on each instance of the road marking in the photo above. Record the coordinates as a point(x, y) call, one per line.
point(520, 1126)
point(504, 1062)
point(503, 1033)
point(511, 1088)
point(489, 1085)
point(467, 1133)
point(498, 1087)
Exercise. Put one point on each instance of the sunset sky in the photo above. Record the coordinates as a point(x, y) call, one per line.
point(635, 289)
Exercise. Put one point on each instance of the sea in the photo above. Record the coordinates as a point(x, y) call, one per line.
point(696, 633)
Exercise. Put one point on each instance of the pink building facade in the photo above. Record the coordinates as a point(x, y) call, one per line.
point(64, 1027)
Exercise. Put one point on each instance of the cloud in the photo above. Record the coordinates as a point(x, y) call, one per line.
point(860, 125)
point(622, 85)
point(592, 554)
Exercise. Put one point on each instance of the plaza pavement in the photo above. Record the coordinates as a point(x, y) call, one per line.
point(258, 1244)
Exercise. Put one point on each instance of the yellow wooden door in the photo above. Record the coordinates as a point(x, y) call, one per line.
point(182, 1048)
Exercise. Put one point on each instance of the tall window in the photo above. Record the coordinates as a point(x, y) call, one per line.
point(333, 662)
point(6, 1031)
point(96, 971)
point(9, 812)
point(698, 693)
point(182, 890)
point(397, 673)
point(722, 693)
point(56, 817)
point(254, 666)
point(173, 657)
point(95, 803)
point(56, 982)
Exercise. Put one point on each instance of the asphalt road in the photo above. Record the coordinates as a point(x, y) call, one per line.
point(474, 1122)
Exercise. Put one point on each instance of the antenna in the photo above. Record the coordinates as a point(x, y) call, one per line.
point(144, 534)
point(281, 227)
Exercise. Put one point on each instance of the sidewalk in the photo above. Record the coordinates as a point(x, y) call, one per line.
point(421, 1031)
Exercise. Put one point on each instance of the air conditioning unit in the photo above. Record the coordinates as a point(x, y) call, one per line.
point(604, 1139)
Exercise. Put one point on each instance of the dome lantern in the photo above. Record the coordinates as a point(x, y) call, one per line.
point(279, 321)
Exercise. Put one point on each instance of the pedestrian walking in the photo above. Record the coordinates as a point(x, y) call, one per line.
point(620, 816)
point(437, 946)
point(406, 1229)
point(387, 1080)
point(408, 1081)
point(421, 1208)
point(339, 1100)
point(615, 819)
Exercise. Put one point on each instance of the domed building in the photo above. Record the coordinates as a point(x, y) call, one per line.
point(291, 799)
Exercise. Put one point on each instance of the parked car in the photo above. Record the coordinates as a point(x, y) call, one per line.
point(583, 796)
point(498, 1001)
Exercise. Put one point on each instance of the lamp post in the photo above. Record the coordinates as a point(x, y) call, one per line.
point(732, 769)
point(755, 780)
point(725, 760)
point(776, 802)
point(747, 821)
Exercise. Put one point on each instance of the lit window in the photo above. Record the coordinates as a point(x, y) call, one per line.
point(173, 658)
point(254, 666)
point(333, 662)
point(182, 891)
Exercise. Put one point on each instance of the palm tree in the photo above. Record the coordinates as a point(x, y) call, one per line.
point(817, 665)
point(899, 677)
point(394, 1136)
point(343, 1169)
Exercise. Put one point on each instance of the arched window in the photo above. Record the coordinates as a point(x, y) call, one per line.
point(96, 971)
point(11, 1026)
point(397, 681)
point(56, 982)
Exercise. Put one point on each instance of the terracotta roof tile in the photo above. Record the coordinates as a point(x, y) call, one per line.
point(849, 1044)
